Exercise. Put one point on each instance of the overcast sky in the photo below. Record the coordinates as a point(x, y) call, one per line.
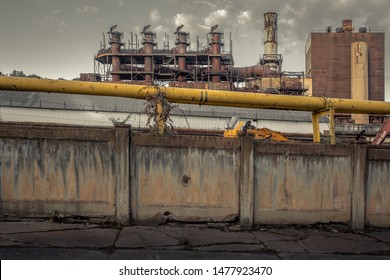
point(58, 38)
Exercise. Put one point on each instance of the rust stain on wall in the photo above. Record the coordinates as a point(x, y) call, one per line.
point(378, 188)
point(177, 179)
point(186, 177)
point(76, 176)
point(314, 182)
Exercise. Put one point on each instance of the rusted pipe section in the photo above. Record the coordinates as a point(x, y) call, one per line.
point(381, 136)
point(256, 71)
point(200, 97)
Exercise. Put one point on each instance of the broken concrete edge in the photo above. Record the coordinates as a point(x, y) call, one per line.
point(231, 226)
point(167, 217)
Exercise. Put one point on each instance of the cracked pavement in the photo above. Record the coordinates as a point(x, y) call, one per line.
point(47, 241)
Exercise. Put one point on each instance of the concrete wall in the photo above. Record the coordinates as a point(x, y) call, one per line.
point(105, 172)
point(66, 170)
point(263, 183)
point(191, 178)
point(378, 187)
point(302, 183)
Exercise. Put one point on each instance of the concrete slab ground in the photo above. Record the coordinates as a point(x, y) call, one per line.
point(47, 241)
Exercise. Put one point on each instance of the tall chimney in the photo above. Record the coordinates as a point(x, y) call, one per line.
point(148, 41)
point(270, 33)
point(182, 42)
point(115, 41)
point(216, 44)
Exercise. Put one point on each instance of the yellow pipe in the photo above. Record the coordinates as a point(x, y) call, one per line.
point(197, 96)
point(316, 127)
point(331, 127)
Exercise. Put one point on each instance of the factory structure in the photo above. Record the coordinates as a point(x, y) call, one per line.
point(345, 63)
point(210, 66)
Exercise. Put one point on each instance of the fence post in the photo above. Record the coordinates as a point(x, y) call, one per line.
point(246, 182)
point(122, 185)
point(359, 179)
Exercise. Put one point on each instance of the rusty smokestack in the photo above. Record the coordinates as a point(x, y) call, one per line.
point(215, 46)
point(271, 34)
point(148, 41)
point(115, 40)
point(182, 42)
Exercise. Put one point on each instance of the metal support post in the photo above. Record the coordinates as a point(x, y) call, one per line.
point(316, 125)
point(331, 127)
point(160, 119)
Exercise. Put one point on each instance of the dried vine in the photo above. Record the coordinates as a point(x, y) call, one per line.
point(151, 111)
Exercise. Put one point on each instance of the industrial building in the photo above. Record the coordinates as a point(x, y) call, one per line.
point(210, 66)
point(328, 61)
point(347, 63)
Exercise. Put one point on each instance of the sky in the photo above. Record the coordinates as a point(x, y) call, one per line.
point(58, 38)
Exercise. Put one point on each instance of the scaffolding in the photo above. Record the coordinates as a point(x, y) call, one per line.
point(141, 61)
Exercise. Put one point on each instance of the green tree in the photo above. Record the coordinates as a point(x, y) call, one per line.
point(17, 73)
point(34, 76)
